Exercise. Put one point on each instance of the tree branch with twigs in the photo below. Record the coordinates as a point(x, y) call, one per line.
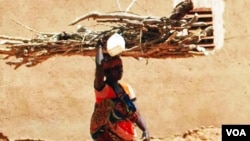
point(145, 36)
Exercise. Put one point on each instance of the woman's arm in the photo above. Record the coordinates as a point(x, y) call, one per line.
point(99, 74)
point(142, 125)
point(139, 121)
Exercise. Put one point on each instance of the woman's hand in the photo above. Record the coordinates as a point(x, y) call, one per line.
point(145, 136)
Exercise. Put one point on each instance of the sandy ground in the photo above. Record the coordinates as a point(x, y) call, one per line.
point(53, 101)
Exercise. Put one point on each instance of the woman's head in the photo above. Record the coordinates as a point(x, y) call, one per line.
point(112, 67)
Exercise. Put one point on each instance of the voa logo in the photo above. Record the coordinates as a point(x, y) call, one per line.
point(236, 132)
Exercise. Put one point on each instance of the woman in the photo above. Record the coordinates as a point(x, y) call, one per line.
point(115, 113)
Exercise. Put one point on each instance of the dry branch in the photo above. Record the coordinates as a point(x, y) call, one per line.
point(147, 37)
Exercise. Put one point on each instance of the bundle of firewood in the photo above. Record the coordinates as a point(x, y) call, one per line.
point(147, 37)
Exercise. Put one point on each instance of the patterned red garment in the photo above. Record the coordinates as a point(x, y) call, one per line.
point(108, 136)
point(104, 109)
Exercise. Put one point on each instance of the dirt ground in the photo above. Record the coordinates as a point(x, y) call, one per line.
point(53, 101)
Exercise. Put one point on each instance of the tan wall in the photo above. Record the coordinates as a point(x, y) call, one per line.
point(54, 100)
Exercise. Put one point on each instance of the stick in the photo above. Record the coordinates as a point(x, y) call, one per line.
point(96, 15)
point(14, 38)
point(130, 5)
point(31, 29)
point(119, 6)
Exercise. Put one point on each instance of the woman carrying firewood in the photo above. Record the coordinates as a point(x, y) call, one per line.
point(115, 114)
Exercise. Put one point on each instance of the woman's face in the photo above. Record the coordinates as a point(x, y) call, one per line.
point(113, 68)
point(115, 73)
